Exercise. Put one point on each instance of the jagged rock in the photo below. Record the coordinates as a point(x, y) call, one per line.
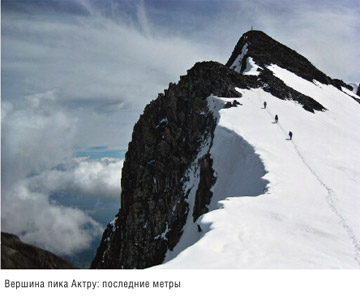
point(277, 88)
point(203, 193)
point(165, 141)
point(234, 103)
point(339, 83)
point(228, 105)
point(16, 254)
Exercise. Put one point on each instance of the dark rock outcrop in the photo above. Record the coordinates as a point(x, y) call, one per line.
point(339, 83)
point(165, 142)
point(16, 254)
point(277, 88)
point(203, 193)
point(232, 104)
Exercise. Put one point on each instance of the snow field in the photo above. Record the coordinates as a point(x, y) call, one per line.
point(279, 203)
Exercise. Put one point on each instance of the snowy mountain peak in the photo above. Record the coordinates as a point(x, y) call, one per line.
point(248, 165)
point(257, 53)
point(265, 51)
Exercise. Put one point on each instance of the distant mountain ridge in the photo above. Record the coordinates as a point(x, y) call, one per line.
point(16, 254)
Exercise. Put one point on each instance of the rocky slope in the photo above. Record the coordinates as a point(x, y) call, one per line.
point(166, 142)
point(16, 254)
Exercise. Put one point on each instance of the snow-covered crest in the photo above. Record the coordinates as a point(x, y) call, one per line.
point(237, 64)
point(285, 190)
point(307, 214)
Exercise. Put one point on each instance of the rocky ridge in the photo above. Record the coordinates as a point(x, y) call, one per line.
point(16, 254)
point(166, 142)
point(266, 51)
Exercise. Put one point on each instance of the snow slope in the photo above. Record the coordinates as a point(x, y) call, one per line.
point(280, 203)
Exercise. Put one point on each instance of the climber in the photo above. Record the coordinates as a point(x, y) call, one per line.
point(290, 135)
point(276, 118)
point(265, 104)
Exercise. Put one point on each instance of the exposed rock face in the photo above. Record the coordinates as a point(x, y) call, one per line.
point(203, 193)
point(18, 255)
point(277, 88)
point(166, 142)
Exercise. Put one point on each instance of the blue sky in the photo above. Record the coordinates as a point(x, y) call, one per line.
point(77, 74)
point(99, 152)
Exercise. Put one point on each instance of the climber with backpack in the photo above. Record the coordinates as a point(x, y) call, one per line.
point(276, 118)
point(290, 135)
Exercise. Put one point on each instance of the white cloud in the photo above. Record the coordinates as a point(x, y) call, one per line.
point(62, 230)
point(95, 58)
point(28, 211)
point(36, 134)
point(143, 19)
point(99, 178)
point(104, 69)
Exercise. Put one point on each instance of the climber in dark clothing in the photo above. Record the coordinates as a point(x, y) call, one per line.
point(265, 104)
point(276, 118)
point(290, 135)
